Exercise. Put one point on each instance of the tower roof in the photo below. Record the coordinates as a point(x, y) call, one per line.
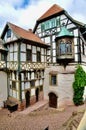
point(64, 32)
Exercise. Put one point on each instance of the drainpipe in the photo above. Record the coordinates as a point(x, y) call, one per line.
point(19, 75)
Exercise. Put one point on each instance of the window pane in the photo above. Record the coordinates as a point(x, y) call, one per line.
point(38, 56)
point(9, 33)
point(53, 80)
point(42, 27)
point(29, 55)
point(13, 84)
point(47, 25)
point(32, 83)
point(69, 47)
point(58, 21)
point(62, 48)
point(53, 23)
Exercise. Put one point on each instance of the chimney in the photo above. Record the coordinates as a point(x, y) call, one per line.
point(30, 30)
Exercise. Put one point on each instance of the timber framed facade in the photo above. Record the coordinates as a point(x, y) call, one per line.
point(40, 64)
point(67, 38)
point(26, 61)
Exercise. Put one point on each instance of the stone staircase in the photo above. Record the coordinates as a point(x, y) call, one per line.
point(73, 122)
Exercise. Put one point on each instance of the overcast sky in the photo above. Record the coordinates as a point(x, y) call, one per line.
point(24, 13)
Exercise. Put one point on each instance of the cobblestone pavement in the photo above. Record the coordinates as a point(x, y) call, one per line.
point(38, 119)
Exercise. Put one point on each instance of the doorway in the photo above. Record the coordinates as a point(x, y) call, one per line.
point(52, 100)
point(27, 96)
point(37, 94)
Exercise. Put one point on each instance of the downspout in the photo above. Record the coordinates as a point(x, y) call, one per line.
point(79, 47)
point(19, 75)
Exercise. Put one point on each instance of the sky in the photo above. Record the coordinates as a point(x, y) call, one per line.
point(24, 13)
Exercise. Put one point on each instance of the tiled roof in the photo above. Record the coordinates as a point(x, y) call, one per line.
point(25, 34)
point(51, 11)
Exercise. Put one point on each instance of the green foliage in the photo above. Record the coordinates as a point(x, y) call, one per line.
point(78, 85)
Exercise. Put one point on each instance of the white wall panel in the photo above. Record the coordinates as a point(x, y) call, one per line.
point(33, 49)
point(15, 47)
point(23, 47)
point(33, 58)
point(32, 92)
point(23, 57)
point(11, 56)
point(23, 95)
point(15, 56)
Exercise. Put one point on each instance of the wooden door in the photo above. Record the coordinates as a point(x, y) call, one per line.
point(52, 100)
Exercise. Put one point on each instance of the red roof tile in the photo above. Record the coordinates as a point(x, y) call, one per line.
point(51, 11)
point(26, 34)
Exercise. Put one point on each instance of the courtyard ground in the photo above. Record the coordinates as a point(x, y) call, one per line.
point(38, 119)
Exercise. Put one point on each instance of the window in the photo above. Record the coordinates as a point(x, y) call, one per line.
point(32, 83)
point(42, 27)
point(65, 48)
point(29, 55)
point(68, 47)
point(62, 48)
point(50, 24)
point(53, 80)
point(13, 84)
point(9, 33)
point(47, 25)
point(58, 21)
point(38, 56)
point(53, 23)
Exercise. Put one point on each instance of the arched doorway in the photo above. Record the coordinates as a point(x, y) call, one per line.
point(52, 100)
point(37, 94)
point(27, 96)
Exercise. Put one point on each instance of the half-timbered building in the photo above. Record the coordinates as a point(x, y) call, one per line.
point(67, 38)
point(26, 61)
point(43, 61)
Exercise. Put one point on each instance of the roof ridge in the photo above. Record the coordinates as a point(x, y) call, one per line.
point(51, 11)
point(17, 26)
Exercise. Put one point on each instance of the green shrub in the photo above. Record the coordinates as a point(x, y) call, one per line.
point(78, 85)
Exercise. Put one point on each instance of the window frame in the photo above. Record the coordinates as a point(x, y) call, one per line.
point(38, 56)
point(29, 55)
point(14, 85)
point(8, 33)
point(67, 48)
point(52, 83)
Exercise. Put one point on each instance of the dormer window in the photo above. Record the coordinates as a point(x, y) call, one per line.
point(9, 33)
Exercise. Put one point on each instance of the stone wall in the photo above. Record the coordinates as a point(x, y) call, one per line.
point(3, 88)
point(63, 90)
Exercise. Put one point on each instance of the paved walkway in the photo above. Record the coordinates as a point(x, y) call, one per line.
point(34, 107)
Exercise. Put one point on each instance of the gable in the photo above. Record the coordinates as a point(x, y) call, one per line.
point(8, 35)
point(51, 11)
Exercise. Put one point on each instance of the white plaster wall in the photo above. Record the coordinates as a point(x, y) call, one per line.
point(63, 89)
point(3, 87)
